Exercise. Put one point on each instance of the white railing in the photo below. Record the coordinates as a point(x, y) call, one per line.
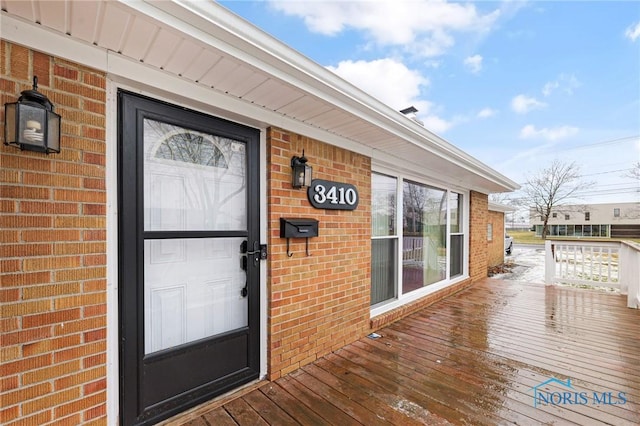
point(595, 264)
point(630, 273)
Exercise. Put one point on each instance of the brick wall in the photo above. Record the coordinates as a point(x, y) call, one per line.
point(52, 282)
point(319, 303)
point(495, 247)
point(479, 208)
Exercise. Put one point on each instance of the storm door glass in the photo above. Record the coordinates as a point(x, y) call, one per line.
point(194, 198)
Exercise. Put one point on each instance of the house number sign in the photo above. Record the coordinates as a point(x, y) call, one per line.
point(324, 194)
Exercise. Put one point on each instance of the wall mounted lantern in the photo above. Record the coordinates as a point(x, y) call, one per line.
point(31, 123)
point(301, 172)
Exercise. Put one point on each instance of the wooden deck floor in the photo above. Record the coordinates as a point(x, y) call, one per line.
point(480, 357)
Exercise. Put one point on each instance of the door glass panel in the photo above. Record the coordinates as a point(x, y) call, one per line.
point(193, 289)
point(192, 180)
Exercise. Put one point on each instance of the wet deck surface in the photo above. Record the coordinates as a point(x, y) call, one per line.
point(480, 357)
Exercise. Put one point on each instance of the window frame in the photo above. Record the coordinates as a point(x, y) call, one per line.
point(401, 298)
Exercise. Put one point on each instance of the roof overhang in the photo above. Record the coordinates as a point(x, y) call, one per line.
point(206, 54)
point(502, 208)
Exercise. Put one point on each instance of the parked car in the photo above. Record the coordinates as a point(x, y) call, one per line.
point(508, 244)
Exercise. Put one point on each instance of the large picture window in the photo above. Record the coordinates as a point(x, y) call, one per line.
point(418, 237)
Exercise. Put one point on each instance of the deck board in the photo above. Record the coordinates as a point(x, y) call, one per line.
point(473, 358)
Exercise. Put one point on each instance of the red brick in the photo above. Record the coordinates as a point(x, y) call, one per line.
point(93, 158)
point(9, 265)
point(48, 318)
point(25, 279)
point(95, 412)
point(24, 192)
point(25, 364)
point(8, 206)
point(94, 209)
point(65, 72)
point(24, 250)
point(51, 235)
point(9, 295)
point(42, 68)
point(19, 62)
point(83, 404)
point(49, 207)
point(94, 235)
point(10, 221)
point(94, 387)
point(92, 336)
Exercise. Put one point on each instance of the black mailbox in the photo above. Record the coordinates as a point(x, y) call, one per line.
point(298, 228)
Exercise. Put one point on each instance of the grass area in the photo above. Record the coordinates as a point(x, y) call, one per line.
point(525, 237)
point(529, 237)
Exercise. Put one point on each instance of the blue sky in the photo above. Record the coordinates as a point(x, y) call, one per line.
point(516, 84)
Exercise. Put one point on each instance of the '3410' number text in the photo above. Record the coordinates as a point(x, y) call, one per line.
point(324, 194)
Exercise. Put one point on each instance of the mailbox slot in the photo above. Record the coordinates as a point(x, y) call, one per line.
point(298, 228)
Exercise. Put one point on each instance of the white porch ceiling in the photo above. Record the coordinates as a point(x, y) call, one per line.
point(205, 44)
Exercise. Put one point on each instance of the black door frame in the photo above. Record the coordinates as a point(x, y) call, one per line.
point(134, 407)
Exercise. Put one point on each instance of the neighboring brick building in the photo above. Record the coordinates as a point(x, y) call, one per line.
point(131, 259)
point(496, 233)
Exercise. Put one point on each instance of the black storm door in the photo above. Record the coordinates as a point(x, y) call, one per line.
point(188, 209)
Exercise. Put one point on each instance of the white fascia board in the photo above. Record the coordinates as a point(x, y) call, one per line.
point(216, 26)
point(51, 42)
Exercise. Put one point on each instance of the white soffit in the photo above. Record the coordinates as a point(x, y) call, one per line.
point(203, 43)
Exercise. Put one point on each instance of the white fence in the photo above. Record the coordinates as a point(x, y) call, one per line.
point(597, 264)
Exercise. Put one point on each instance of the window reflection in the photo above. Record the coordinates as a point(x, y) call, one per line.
point(424, 236)
point(190, 147)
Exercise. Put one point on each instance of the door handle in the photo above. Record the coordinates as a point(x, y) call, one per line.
point(258, 253)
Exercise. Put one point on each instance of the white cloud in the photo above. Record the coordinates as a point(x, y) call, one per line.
point(436, 124)
point(421, 27)
point(567, 83)
point(401, 85)
point(551, 134)
point(486, 113)
point(473, 63)
point(401, 89)
point(522, 104)
point(550, 87)
point(633, 32)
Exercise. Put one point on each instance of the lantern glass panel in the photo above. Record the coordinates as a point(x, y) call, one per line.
point(307, 175)
point(53, 132)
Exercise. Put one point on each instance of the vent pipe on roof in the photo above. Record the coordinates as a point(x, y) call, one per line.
point(411, 113)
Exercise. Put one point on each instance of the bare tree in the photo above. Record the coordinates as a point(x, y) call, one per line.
point(553, 187)
point(633, 172)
